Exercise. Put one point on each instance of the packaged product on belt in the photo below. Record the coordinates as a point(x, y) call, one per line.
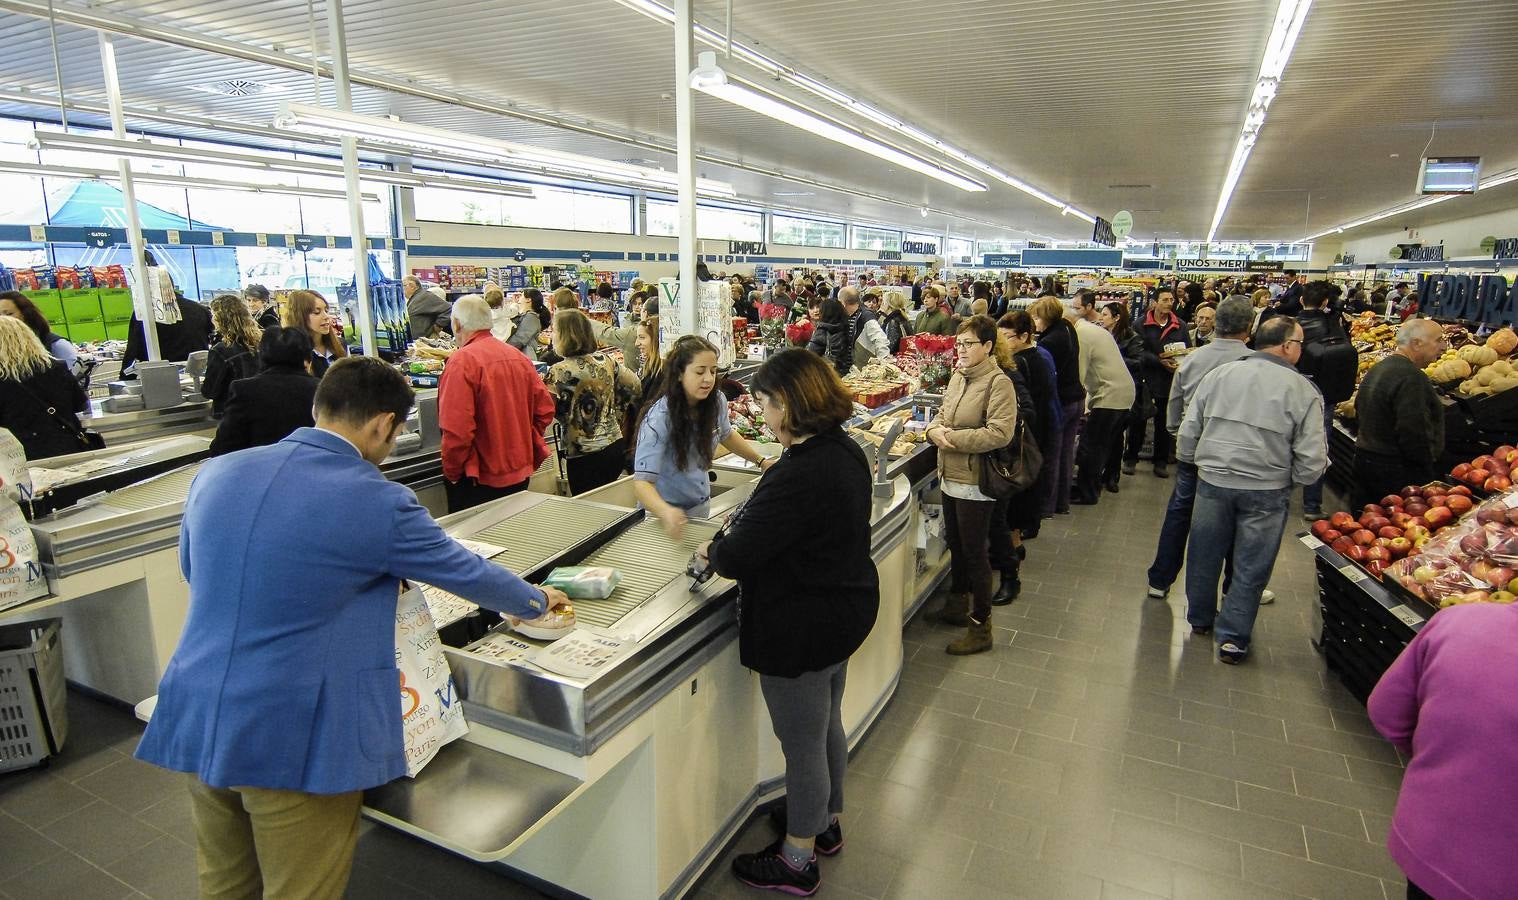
point(584, 582)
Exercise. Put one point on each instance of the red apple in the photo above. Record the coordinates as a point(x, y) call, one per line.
point(1493, 514)
point(1496, 484)
point(1411, 490)
point(1481, 462)
point(1438, 517)
point(1329, 536)
point(1418, 522)
point(1376, 523)
point(1400, 547)
point(1500, 576)
point(1342, 521)
point(1437, 500)
point(1400, 519)
point(1473, 544)
point(1319, 527)
point(1391, 500)
point(1459, 504)
point(1512, 516)
point(1512, 458)
point(1372, 509)
point(1355, 552)
point(1458, 472)
point(1363, 537)
point(1414, 532)
point(1341, 545)
point(1460, 489)
point(1417, 508)
point(1389, 531)
point(1376, 567)
point(1476, 476)
point(1503, 451)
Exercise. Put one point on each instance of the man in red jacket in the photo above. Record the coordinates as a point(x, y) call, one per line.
point(493, 409)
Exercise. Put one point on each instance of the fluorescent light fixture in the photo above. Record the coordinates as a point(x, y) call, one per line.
point(656, 10)
point(144, 150)
point(709, 78)
point(299, 117)
point(1290, 15)
point(1487, 183)
point(181, 181)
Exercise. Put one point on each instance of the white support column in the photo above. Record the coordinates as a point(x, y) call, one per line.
point(142, 304)
point(685, 147)
point(363, 317)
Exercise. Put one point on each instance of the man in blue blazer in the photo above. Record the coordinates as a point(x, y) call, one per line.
point(283, 696)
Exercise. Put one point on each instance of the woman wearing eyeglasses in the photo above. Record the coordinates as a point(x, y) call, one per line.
point(978, 414)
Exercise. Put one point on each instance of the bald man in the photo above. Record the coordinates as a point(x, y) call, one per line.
point(1401, 421)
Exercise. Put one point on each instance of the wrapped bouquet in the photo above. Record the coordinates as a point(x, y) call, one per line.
point(799, 333)
point(772, 325)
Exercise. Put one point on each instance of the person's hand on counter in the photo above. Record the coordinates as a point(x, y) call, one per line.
point(673, 519)
point(558, 601)
point(701, 552)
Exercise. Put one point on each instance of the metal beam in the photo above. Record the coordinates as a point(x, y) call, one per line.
point(685, 145)
point(363, 314)
point(142, 302)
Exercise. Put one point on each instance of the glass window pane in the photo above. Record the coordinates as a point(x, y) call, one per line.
point(553, 208)
point(713, 223)
point(245, 211)
point(984, 247)
point(664, 218)
point(72, 201)
point(934, 239)
point(869, 238)
point(22, 256)
point(21, 200)
point(806, 232)
point(180, 261)
point(958, 248)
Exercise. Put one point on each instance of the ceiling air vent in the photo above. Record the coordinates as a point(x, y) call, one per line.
point(1128, 187)
point(238, 87)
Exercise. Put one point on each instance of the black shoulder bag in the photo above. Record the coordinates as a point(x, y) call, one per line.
point(1010, 470)
point(88, 440)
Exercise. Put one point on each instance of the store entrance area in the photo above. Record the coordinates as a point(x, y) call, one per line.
point(1098, 751)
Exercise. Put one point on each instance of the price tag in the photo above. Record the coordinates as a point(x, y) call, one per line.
point(289, 240)
point(262, 239)
point(173, 236)
point(1310, 541)
point(331, 242)
point(218, 239)
point(1353, 572)
point(1407, 616)
point(38, 232)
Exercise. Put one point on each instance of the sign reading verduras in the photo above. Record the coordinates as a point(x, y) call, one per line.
point(1475, 298)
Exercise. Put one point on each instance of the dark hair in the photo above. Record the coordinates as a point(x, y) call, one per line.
point(1163, 289)
point(702, 272)
point(30, 314)
point(284, 347)
point(981, 291)
point(1019, 320)
point(1274, 332)
point(983, 327)
point(605, 291)
point(813, 395)
point(690, 427)
point(535, 297)
point(1085, 297)
point(832, 311)
point(256, 292)
point(638, 295)
point(572, 334)
point(358, 388)
point(1119, 311)
point(1317, 293)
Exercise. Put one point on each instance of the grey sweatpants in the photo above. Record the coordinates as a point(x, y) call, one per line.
point(807, 713)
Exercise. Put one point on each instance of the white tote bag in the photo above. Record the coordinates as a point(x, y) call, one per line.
point(431, 712)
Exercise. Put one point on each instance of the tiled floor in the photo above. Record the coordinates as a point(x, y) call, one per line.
point(1097, 752)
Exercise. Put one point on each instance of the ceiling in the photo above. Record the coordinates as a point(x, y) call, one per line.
point(1132, 105)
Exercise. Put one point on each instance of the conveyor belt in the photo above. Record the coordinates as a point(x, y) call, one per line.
point(648, 561)
point(171, 488)
point(544, 530)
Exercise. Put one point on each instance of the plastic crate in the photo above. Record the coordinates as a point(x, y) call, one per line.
point(33, 713)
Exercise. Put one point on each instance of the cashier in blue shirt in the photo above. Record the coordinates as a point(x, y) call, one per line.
point(283, 699)
point(679, 435)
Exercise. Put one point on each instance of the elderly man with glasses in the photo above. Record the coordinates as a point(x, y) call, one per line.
point(1401, 434)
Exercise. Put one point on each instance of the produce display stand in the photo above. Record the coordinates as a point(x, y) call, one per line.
point(1366, 622)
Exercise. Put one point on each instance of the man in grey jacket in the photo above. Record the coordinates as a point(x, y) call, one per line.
point(425, 311)
point(1253, 429)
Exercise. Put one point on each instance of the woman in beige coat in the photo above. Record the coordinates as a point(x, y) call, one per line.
point(979, 414)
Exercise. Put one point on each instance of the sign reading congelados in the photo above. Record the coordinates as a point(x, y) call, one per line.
point(921, 248)
point(1477, 298)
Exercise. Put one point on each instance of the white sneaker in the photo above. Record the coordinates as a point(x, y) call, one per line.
point(1267, 597)
point(1158, 593)
point(550, 626)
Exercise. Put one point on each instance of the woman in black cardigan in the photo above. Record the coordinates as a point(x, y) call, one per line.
point(39, 398)
point(806, 603)
point(1058, 337)
point(264, 409)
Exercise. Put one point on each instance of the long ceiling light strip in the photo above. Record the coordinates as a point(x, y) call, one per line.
point(656, 10)
point(88, 174)
point(49, 140)
point(1290, 15)
point(1508, 177)
point(710, 79)
point(302, 117)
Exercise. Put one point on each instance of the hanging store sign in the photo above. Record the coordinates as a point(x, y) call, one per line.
point(1122, 224)
point(921, 248)
point(1426, 254)
point(1260, 265)
point(99, 238)
point(1101, 233)
point(1001, 260)
point(747, 248)
point(519, 255)
point(1203, 265)
point(303, 244)
point(1038, 245)
point(1505, 248)
point(889, 254)
point(1476, 298)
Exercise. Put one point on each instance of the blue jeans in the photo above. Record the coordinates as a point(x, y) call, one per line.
point(1312, 494)
point(1224, 518)
point(1170, 555)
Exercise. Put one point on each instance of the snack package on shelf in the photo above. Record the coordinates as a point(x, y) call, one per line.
point(1475, 561)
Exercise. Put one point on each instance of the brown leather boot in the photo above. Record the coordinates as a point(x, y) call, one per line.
point(977, 639)
point(955, 611)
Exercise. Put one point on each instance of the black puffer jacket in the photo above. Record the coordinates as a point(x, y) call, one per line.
point(831, 341)
point(1060, 340)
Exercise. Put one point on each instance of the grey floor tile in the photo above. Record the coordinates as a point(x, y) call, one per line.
point(1359, 795)
point(1351, 853)
point(1244, 827)
point(1193, 848)
point(101, 833)
point(1184, 782)
point(73, 877)
point(1023, 876)
point(1301, 810)
point(1195, 884)
point(1249, 771)
point(132, 785)
point(163, 868)
point(1114, 863)
point(1307, 878)
point(22, 848)
point(1378, 774)
point(37, 797)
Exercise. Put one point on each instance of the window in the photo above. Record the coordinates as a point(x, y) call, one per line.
point(867, 237)
point(806, 232)
point(984, 247)
point(555, 208)
point(933, 240)
point(958, 248)
point(714, 223)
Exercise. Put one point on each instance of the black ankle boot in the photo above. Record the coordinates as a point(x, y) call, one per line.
point(1008, 590)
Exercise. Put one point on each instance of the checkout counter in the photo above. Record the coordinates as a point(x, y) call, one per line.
point(629, 782)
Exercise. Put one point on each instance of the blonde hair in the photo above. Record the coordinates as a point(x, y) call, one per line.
point(1258, 295)
point(230, 316)
point(572, 334)
point(979, 307)
point(21, 354)
point(494, 296)
point(1048, 310)
point(653, 362)
point(300, 307)
point(566, 298)
point(895, 302)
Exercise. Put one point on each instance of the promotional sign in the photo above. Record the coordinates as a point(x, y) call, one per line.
point(1505, 248)
point(921, 248)
point(1101, 233)
point(747, 248)
point(585, 256)
point(303, 244)
point(1202, 265)
point(1427, 254)
point(712, 317)
point(519, 255)
point(99, 238)
point(1001, 260)
point(1122, 224)
point(1476, 298)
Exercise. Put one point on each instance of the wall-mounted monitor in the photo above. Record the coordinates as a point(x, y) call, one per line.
point(1449, 175)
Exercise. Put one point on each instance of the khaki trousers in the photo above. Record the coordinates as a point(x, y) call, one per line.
point(279, 845)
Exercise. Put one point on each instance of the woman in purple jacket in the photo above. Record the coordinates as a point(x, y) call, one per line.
point(1448, 700)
